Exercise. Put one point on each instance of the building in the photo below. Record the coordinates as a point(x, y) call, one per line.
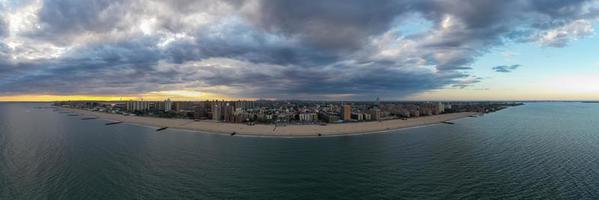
point(228, 112)
point(307, 117)
point(184, 106)
point(367, 117)
point(168, 105)
point(414, 113)
point(375, 114)
point(328, 117)
point(244, 105)
point(440, 108)
point(358, 116)
point(200, 110)
point(156, 105)
point(216, 111)
point(346, 113)
point(138, 106)
point(241, 116)
point(264, 117)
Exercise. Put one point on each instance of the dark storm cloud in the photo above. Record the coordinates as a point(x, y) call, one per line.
point(241, 42)
point(335, 24)
point(294, 82)
point(559, 9)
point(281, 49)
point(342, 25)
point(97, 69)
point(505, 68)
point(60, 19)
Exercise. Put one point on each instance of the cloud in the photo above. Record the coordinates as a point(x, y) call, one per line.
point(505, 68)
point(3, 27)
point(466, 82)
point(560, 36)
point(265, 49)
point(3, 22)
point(335, 24)
point(62, 20)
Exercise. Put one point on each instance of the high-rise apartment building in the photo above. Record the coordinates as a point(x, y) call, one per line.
point(346, 113)
point(216, 111)
point(168, 105)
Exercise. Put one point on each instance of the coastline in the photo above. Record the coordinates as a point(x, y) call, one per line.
point(264, 130)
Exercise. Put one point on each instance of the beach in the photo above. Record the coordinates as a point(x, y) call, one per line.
point(210, 126)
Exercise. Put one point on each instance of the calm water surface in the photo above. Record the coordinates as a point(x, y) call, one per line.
point(535, 151)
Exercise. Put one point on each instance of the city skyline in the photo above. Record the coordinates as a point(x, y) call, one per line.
point(427, 50)
point(282, 113)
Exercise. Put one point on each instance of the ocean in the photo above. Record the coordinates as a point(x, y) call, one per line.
point(534, 151)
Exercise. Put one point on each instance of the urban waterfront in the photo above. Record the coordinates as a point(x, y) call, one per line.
point(534, 151)
point(284, 111)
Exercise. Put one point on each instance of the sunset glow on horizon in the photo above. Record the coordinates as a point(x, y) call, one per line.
point(152, 96)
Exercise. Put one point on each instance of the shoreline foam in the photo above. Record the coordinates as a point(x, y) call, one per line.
point(264, 130)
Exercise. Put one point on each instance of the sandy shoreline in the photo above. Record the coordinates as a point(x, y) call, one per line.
point(209, 126)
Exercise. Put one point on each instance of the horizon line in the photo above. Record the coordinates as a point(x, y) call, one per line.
point(479, 100)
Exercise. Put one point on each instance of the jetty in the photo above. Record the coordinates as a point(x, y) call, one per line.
point(113, 123)
point(446, 122)
point(233, 133)
point(162, 128)
point(72, 115)
point(89, 118)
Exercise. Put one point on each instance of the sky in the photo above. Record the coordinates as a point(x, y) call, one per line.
point(314, 49)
